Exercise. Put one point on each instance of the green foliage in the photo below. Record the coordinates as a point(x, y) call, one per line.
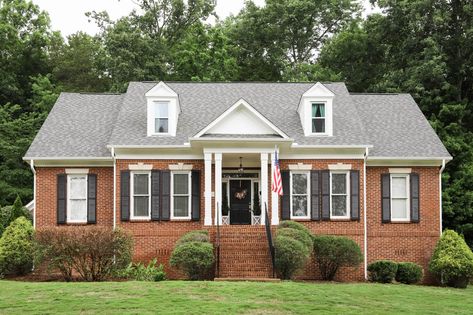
point(9, 214)
point(290, 256)
point(16, 247)
point(294, 225)
point(298, 235)
point(334, 252)
point(382, 271)
point(195, 259)
point(194, 236)
point(452, 260)
point(140, 272)
point(408, 273)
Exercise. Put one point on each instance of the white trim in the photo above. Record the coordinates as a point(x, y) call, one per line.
point(218, 188)
point(339, 167)
point(308, 193)
point(300, 167)
point(365, 227)
point(180, 167)
point(114, 189)
point(396, 158)
point(188, 195)
point(263, 186)
point(216, 139)
point(274, 197)
point(140, 167)
point(238, 150)
point(408, 197)
point(34, 193)
point(150, 146)
point(347, 194)
point(241, 102)
point(332, 146)
point(68, 158)
point(132, 195)
point(208, 188)
point(79, 171)
point(440, 196)
point(398, 170)
point(68, 182)
point(161, 89)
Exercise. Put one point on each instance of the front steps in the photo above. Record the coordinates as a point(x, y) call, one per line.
point(244, 253)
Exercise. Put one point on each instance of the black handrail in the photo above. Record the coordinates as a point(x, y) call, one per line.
point(217, 243)
point(270, 238)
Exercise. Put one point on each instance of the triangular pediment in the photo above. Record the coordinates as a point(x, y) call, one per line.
point(318, 90)
point(161, 90)
point(241, 119)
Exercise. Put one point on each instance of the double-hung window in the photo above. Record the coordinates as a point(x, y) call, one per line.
point(400, 197)
point(300, 196)
point(339, 194)
point(77, 198)
point(140, 192)
point(181, 195)
point(161, 117)
point(318, 118)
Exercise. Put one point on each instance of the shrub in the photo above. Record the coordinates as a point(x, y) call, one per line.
point(93, 252)
point(383, 271)
point(16, 247)
point(194, 236)
point(408, 272)
point(299, 235)
point(140, 272)
point(290, 255)
point(452, 260)
point(9, 214)
point(194, 258)
point(333, 252)
point(294, 225)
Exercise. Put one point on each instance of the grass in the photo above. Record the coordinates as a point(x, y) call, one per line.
point(180, 297)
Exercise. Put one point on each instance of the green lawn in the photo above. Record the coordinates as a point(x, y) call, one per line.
point(179, 297)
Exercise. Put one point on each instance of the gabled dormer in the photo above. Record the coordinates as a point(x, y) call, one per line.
point(162, 110)
point(316, 111)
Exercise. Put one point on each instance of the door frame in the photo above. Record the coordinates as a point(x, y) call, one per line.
point(237, 177)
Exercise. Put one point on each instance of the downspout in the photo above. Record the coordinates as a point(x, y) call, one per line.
point(440, 194)
point(365, 228)
point(34, 192)
point(114, 189)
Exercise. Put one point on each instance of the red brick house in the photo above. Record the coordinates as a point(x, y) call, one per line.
point(163, 159)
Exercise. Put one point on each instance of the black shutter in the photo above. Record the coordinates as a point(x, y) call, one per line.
point(92, 198)
point(315, 195)
point(165, 195)
point(325, 189)
point(386, 198)
point(355, 195)
point(286, 197)
point(195, 177)
point(155, 195)
point(125, 195)
point(61, 198)
point(414, 189)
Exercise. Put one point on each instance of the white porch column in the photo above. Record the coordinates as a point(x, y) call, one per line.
point(218, 187)
point(274, 198)
point(208, 188)
point(264, 185)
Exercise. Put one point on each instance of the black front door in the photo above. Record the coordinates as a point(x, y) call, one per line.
point(240, 200)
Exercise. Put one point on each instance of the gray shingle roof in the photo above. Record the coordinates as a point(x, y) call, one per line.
point(82, 125)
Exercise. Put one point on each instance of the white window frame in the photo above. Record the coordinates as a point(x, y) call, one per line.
point(188, 195)
point(168, 104)
point(319, 118)
point(307, 173)
point(347, 177)
point(408, 197)
point(69, 197)
point(132, 194)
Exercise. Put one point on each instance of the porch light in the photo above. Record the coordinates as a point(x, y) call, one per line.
point(241, 170)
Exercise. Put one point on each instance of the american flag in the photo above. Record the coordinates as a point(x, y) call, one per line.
point(276, 185)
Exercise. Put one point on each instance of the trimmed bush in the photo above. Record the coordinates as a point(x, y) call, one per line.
point(294, 225)
point(290, 255)
point(382, 271)
point(194, 258)
point(194, 236)
point(9, 214)
point(140, 272)
point(16, 248)
point(452, 260)
point(333, 252)
point(408, 273)
point(299, 235)
point(95, 253)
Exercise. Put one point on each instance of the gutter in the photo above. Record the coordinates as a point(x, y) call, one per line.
point(114, 189)
point(365, 227)
point(34, 192)
point(440, 195)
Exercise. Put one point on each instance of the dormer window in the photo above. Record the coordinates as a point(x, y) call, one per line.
point(161, 117)
point(318, 118)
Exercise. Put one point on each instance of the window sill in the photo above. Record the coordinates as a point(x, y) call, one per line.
point(301, 219)
point(140, 220)
point(401, 222)
point(180, 220)
point(76, 223)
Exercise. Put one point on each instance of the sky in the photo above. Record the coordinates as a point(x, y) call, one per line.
point(69, 16)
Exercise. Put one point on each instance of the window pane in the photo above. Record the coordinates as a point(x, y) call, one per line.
point(140, 184)
point(181, 206)
point(299, 183)
point(140, 206)
point(78, 186)
point(181, 183)
point(318, 110)
point(160, 125)
point(339, 206)
point(318, 125)
point(161, 109)
point(399, 209)
point(339, 183)
point(299, 206)
point(78, 211)
point(399, 187)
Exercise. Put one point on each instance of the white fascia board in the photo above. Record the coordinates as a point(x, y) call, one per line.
point(149, 146)
point(410, 158)
point(242, 139)
point(74, 158)
point(241, 102)
point(161, 89)
point(330, 146)
point(318, 90)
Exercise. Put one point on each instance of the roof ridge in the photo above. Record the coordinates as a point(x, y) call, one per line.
point(374, 93)
point(244, 82)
